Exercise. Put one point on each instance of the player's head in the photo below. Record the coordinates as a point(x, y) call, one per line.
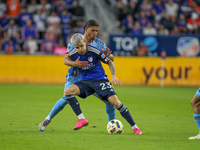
point(77, 41)
point(91, 29)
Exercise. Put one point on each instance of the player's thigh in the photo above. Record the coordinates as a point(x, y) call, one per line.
point(73, 89)
point(114, 101)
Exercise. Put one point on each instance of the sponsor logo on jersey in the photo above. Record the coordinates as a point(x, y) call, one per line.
point(188, 46)
point(90, 59)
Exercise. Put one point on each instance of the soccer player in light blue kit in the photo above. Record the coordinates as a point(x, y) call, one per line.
point(195, 102)
point(91, 29)
point(94, 79)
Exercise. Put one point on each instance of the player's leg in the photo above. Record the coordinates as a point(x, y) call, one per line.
point(59, 105)
point(195, 102)
point(69, 96)
point(124, 112)
point(110, 109)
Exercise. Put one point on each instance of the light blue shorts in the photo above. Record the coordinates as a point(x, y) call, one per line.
point(198, 93)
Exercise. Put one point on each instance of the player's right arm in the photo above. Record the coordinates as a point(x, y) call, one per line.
point(77, 63)
point(69, 62)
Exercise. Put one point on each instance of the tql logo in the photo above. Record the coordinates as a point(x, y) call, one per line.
point(188, 46)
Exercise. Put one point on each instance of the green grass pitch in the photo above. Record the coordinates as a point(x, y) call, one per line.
point(163, 114)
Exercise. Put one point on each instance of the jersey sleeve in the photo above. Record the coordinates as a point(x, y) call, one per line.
point(70, 47)
point(104, 58)
point(100, 44)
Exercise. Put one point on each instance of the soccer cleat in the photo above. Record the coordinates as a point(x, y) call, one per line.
point(81, 123)
point(197, 137)
point(44, 124)
point(137, 131)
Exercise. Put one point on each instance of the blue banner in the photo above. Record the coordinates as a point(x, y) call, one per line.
point(129, 45)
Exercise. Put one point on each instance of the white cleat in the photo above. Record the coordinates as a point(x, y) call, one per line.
point(44, 124)
point(197, 137)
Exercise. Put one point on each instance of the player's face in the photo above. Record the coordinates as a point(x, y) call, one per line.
point(81, 48)
point(92, 32)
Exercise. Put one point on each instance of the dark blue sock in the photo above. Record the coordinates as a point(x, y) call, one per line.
point(126, 114)
point(74, 104)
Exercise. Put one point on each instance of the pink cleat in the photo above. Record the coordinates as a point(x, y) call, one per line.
point(137, 131)
point(81, 123)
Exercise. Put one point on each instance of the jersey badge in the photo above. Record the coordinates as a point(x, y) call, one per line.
point(90, 59)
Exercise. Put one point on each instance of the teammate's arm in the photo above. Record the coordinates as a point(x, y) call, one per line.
point(77, 63)
point(114, 79)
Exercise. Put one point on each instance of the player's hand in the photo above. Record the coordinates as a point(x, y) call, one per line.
point(80, 64)
point(107, 51)
point(115, 80)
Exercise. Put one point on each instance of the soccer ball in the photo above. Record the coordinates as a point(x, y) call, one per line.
point(115, 126)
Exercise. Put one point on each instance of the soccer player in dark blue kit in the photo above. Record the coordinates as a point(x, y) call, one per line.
point(91, 29)
point(94, 79)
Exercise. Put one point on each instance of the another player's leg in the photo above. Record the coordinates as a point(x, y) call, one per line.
point(73, 102)
point(196, 110)
point(125, 113)
point(110, 109)
point(59, 105)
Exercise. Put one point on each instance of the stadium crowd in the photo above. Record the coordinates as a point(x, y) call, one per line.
point(45, 26)
point(39, 25)
point(157, 17)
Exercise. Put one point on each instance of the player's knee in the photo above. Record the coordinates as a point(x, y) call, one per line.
point(68, 91)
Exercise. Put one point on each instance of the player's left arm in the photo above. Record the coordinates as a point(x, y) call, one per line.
point(108, 52)
point(114, 78)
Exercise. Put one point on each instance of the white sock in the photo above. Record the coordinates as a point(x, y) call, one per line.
point(135, 126)
point(48, 118)
point(81, 116)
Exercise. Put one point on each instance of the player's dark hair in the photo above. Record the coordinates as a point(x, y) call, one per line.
point(90, 23)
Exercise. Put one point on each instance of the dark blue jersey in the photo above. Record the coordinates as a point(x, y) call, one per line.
point(94, 69)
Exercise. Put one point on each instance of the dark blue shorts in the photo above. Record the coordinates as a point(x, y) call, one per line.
point(103, 88)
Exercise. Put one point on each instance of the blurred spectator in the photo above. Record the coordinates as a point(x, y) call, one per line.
point(3, 8)
point(23, 16)
point(13, 7)
point(143, 19)
point(39, 19)
point(120, 11)
point(44, 6)
point(169, 23)
point(29, 29)
point(141, 50)
point(53, 19)
point(9, 46)
point(48, 46)
point(146, 6)
point(181, 23)
point(175, 31)
point(149, 29)
point(193, 23)
point(13, 30)
point(32, 7)
point(128, 22)
point(66, 31)
point(69, 3)
point(59, 6)
point(136, 30)
point(171, 9)
point(195, 7)
point(159, 9)
point(61, 49)
point(4, 21)
point(30, 46)
point(65, 17)
point(77, 11)
point(162, 30)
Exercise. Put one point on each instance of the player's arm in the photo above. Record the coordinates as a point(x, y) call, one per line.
point(108, 52)
point(114, 79)
point(77, 63)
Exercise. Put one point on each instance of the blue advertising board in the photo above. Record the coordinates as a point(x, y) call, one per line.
point(186, 46)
